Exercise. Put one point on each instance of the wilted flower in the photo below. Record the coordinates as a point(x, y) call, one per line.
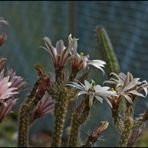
point(127, 86)
point(6, 107)
point(44, 106)
point(94, 91)
point(60, 54)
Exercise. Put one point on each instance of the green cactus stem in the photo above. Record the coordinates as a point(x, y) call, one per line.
point(60, 113)
point(25, 114)
point(128, 126)
point(107, 50)
point(23, 127)
point(78, 118)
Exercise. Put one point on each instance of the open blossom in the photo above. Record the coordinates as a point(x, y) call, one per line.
point(60, 54)
point(6, 107)
point(79, 61)
point(44, 106)
point(127, 86)
point(16, 81)
point(94, 91)
point(10, 84)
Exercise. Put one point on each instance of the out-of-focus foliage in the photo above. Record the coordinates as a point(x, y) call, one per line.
point(8, 133)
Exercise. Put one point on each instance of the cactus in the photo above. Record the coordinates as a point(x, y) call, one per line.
point(107, 50)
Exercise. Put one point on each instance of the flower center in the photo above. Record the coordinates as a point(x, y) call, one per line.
point(81, 53)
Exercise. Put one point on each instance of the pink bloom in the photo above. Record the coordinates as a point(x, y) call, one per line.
point(44, 106)
point(128, 87)
point(60, 54)
point(10, 84)
point(16, 81)
point(6, 107)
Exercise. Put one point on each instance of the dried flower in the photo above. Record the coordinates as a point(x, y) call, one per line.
point(127, 86)
point(6, 107)
point(60, 54)
point(44, 106)
point(94, 91)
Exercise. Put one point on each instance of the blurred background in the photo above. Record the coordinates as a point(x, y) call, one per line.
point(127, 27)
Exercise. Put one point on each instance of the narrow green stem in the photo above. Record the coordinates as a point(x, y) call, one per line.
point(126, 132)
point(75, 128)
point(26, 110)
point(23, 127)
point(107, 50)
point(24, 121)
point(128, 126)
point(117, 120)
point(60, 113)
point(79, 117)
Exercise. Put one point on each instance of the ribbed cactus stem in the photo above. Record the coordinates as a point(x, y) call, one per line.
point(24, 121)
point(23, 127)
point(59, 75)
point(126, 132)
point(60, 113)
point(128, 125)
point(75, 128)
point(107, 50)
point(79, 117)
point(117, 120)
